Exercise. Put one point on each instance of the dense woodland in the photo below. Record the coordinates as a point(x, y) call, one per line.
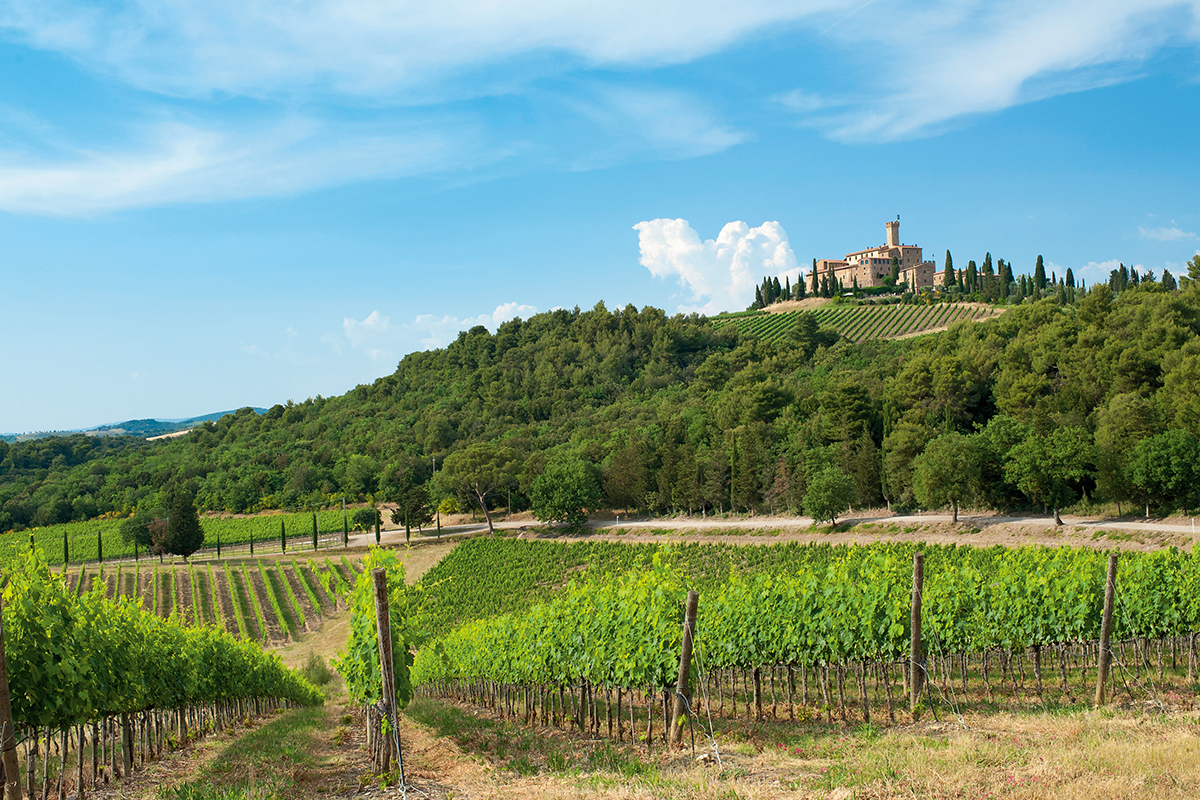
point(1082, 397)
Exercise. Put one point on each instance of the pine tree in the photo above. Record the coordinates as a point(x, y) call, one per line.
point(1168, 281)
point(1039, 275)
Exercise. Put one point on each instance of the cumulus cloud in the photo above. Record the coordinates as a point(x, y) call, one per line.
point(439, 331)
point(719, 274)
point(1171, 234)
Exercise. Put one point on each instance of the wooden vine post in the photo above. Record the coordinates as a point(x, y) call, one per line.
point(916, 663)
point(8, 739)
point(685, 666)
point(383, 622)
point(1110, 591)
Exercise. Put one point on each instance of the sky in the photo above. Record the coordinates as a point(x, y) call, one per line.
point(208, 205)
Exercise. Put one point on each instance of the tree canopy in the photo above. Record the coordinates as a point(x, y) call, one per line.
point(675, 414)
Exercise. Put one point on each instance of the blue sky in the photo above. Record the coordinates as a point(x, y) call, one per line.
point(210, 205)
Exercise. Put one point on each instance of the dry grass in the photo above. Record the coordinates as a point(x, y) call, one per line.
point(1091, 755)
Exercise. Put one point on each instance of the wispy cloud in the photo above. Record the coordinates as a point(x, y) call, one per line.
point(369, 87)
point(923, 66)
point(174, 162)
point(1171, 234)
point(365, 47)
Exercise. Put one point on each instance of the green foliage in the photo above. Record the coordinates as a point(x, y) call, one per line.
point(364, 519)
point(947, 472)
point(76, 658)
point(359, 664)
point(1165, 468)
point(830, 492)
point(1054, 469)
point(678, 413)
point(184, 535)
point(479, 470)
point(807, 605)
point(315, 671)
point(566, 491)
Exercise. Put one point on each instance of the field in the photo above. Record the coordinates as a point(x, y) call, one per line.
point(792, 630)
point(97, 539)
point(268, 600)
point(861, 323)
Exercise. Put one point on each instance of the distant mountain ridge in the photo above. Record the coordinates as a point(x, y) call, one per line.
point(144, 428)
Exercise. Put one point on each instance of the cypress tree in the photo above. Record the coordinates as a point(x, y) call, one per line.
point(184, 534)
point(758, 298)
point(1134, 278)
point(1039, 275)
point(987, 270)
point(816, 287)
point(776, 290)
point(787, 287)
point(1070, 278)
point(798, 289)
point(895, 269)
point(1168, 281)
point(824, 286)
point(972, 279)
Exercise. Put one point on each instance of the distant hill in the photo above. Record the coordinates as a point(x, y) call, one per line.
point(143, 428)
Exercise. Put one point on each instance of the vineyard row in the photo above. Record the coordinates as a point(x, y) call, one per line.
point(860, 323)
point(1016, 624)
point(265, 600)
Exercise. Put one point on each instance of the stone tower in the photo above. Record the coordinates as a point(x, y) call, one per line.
point(893, 233)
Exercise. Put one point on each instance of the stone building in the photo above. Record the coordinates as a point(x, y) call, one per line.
point(869, 267)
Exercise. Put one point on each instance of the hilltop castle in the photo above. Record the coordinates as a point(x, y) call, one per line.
point(869, 267)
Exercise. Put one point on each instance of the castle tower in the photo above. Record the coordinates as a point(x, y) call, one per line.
point(893, 233)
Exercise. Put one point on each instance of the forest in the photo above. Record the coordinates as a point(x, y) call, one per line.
point(1065, 400)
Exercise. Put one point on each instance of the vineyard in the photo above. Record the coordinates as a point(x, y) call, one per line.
point(269, 601)
point(817, 629)
point(113, 684)
point(97, 540)
point(860, 323)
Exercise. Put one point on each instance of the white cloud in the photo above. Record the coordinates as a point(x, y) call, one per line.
point(435, 331)
point(368, 334)
point(924, 65)
point(720, 274)
point(362, 46)
point(176, 162)
point(1094, 272)
point(803, 102)
point(1172, 234)
point(670, 124)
